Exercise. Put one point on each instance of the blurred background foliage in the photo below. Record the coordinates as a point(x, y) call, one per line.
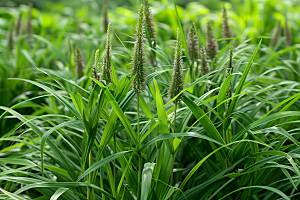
point(44, 4)
point(253, 17)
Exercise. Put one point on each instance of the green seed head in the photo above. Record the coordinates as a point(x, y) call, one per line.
point(79, 64)
point(204, 69)
point(193, 43)
point(138, 60)
point(10, 38)
point(230, 62)
point(288, 34)
point(211, 44)
point(105, 15)
point(176, 85)
point(106, 65)
point(97, 59)
point(29, 18)
point(96, 67)
point(70, 48)
point(227, 31)
point(149, 21)
point(276, 35)
point(228, 72)
point(18, 25)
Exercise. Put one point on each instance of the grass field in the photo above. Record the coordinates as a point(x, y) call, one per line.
point(150, 100)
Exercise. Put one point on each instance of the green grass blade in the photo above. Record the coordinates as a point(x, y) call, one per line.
point(146, 179)
point(239, 88)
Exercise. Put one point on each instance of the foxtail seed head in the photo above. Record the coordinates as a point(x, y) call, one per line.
point(106, 65)
point(228, 72)
point(138, 59)
point(18, 25)
point(193, 43)
point(151, 31)
point(105, 15)
point(79, 64)
point(227, 31)
point(211, 44)
point(96, 67)
point(288, 34)
point(230, 62)
point(149, 21)
point(276, 35)
point(10, 38)
point(97, 59)
point(176, 85)
point(29, 18)
point(203, 62)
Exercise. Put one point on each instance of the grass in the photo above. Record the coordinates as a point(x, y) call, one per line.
point(233, 135)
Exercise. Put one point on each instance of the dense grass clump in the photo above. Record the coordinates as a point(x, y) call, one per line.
point(191, 104)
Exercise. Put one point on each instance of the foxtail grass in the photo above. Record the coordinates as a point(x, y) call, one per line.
point(106, 72)
point(139, 71)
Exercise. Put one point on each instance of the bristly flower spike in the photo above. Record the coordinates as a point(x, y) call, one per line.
point(211, 43)
point(106, 72)
point(176, 85)
point(28, 23)
point(151, 32)
point(227, 31)
point(228, 72)
point(193, 44)
point(10, 38)
point(79, 64)
point(149, 21)
point(276, 35)
point(230, 62)
point(96, 67)
point(18, 25)
point(138, 58)
point(203, 62)
point(105, 15)
point(192, 48)
point(288, 34)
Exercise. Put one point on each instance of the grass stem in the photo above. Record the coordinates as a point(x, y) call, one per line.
point(171, 181)
point(140, 155)
point(174, 125)
point(115, 151)
point(191, 71)
point(90, 177)
point(174, 122)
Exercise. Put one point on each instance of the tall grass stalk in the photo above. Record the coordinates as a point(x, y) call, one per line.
point(176, 86)
point(138, 70)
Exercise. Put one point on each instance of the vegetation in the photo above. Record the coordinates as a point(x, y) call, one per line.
point(192, 103)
